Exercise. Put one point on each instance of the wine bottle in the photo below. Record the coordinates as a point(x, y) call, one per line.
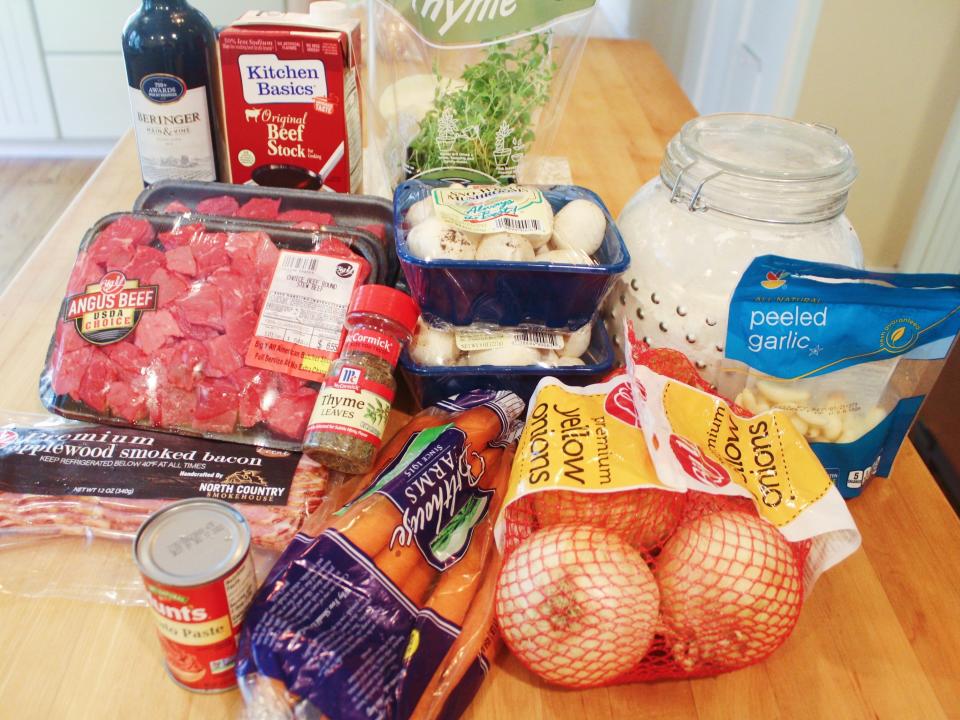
point(169, 48)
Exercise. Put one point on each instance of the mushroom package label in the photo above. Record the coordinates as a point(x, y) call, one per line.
point(847, 354)
point(487, 209)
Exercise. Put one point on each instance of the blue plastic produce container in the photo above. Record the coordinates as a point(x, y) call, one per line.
point(429, 384)
point(463, 292)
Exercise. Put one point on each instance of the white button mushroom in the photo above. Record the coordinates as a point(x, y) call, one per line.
point(580, 225)
point(539, 240)
point(509, 356)
point(504, 246)
point(549, 358)
point(431, 346)
point(569, 362)
point(565, 257)
point(433, 239)
point(577, 342)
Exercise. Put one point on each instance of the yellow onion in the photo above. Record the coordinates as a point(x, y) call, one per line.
point(643, 517)
point(577, 605)
point(731, 589)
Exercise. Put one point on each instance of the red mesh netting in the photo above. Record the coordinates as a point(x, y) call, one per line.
point(643, 585)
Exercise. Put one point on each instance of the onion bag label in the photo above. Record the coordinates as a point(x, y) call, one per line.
point(109, 310)
point(107, 462)
point(489, 209)
point(433, 486)
point(301, 325)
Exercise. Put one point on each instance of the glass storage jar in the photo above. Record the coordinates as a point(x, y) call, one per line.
point(732, 186)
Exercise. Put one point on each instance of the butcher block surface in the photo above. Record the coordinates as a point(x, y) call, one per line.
point(878, 638)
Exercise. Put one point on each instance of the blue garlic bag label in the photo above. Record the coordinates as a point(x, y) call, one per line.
point(848, 354)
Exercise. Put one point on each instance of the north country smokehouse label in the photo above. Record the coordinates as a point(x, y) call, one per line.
point(107, 462)
point(109, 310)
point(172, 125)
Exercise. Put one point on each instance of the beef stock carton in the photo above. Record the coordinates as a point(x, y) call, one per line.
point(291, 99)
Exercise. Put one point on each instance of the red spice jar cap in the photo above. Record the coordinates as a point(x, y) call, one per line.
point(385, 301)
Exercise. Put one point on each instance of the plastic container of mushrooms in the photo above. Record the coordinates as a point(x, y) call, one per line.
point(552, 271)
point(436, 365)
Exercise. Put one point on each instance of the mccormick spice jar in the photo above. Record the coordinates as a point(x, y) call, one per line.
point(352, 408)
point(194, 556)
point(291, 102)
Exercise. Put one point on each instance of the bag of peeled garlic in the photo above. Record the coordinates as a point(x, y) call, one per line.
point(847, 354)
point(655, 530)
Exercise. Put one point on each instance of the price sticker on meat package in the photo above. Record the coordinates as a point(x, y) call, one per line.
point(301, 324)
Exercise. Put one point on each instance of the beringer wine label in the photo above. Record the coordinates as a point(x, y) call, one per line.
point(291, 101)
point(194, 556)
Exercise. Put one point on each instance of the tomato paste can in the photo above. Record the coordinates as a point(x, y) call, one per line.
point(194, 556)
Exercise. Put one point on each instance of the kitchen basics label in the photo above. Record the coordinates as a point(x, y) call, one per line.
point(104, 462)
point(301, 325)
point(490, 209)
point(172, 125)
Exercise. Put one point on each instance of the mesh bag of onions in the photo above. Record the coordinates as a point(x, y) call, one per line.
point(654, 530)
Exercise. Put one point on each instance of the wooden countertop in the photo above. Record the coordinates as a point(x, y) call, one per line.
point(878, 638)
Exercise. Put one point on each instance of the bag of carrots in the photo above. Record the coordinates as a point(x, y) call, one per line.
point(385, 609)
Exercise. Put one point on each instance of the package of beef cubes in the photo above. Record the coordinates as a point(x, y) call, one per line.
point(206, 328)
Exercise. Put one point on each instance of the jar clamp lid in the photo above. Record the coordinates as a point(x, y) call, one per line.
point(759, 167)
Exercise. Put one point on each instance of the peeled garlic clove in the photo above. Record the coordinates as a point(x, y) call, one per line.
point(549, 358)
point(778, 393)
point(833, 428)
point(577, 342)
point(799, 424)
point(747, 400)
point(813, 418)
point(505, 246)
point(580, 225)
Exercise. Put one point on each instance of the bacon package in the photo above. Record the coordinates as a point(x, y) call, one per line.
point(208, 329)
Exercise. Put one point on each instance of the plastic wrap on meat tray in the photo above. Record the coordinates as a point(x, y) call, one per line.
point(204, 329)
point(72, 496)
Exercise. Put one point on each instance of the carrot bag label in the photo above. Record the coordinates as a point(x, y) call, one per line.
point(386, 613)
point(847, 355)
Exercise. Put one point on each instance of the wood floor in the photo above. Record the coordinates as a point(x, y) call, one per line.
point(33, 193)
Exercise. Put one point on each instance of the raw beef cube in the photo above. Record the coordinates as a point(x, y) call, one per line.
point(127, 357)
point(239, 327)
point(68, 339)
point(86, 271)
point(182, 363)
point(154, 329)
point(181, 235)
point(68, 368)
point(222, 205)
point(288, 384)
point(222, 424)
point(265, 259)
point(128, 400)
point(376, 229)
point(209, 251)
point(291, 413)
point(139, 230)
point(242, 247)
point(176, 208)
point(255, 394)
point(223, 357)
point(237, 289)
point(175, 408)
point(111, 252)
point(170, 287)
point(304, 225)
point(335, 247)
point(306, 216)
point(96, 382)
point(202, 306)
point(146, 260)
point(215, 397)
point(260, 209)
point(180, 259)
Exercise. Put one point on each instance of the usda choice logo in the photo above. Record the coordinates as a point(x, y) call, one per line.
point(162, 88)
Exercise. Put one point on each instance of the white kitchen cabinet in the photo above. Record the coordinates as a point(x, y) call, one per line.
point(96, 25)
point(90, 95)
point(25, 109)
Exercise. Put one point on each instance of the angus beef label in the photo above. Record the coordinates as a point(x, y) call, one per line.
point(107, 462)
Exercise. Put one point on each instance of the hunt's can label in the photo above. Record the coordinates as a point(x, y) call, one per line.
point(194, 556)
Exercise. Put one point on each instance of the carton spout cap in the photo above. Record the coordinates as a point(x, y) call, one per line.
point(330, 11)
